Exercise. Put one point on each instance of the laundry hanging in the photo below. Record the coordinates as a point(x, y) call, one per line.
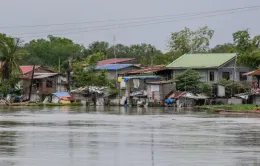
point(136, 83)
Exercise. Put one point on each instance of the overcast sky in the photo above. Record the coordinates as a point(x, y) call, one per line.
point(35, 12)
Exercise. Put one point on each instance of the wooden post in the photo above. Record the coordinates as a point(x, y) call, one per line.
point(30, 92)
point(258, 81)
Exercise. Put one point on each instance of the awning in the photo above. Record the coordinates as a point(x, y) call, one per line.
point(45, 75)
point(252, 73)
point(62, 95)
point(140, 77)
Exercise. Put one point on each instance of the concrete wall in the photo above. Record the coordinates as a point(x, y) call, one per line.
point(164, 89)
point(235, 101)
point(43, 90)
point(256, 99)
point(218, 72)
point(111, 74)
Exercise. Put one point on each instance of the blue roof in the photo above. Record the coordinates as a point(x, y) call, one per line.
point(140, 77)
point(61, 94)
point(113, 66)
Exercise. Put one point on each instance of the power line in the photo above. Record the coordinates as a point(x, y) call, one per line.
point(137, 25)
point(111, 25)
point(124, 19)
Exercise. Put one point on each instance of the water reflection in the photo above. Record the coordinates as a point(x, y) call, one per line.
point(8, 146)
point(114, 136)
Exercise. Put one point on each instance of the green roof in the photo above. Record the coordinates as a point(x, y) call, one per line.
point(201, 60)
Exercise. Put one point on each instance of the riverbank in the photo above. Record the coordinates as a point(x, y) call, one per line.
point(43, 104)
point(236, 108)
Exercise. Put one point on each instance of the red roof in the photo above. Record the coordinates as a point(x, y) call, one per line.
point(27, 69)
point(114, 61)
point(253, 73)
point(176, 95)
point(146, 70)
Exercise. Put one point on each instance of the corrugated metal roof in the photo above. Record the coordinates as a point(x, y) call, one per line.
point(113, 66)
point(176, 95)
point(45, 75)
point(201, 60)
point(160, 82)
point(39, 75)
point(61, 95)
point(146, 70)
point(114, 61)
point(254, 72)
point(27, 69)
point(140, 77)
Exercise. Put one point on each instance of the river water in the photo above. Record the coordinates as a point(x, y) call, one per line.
point(80, 136)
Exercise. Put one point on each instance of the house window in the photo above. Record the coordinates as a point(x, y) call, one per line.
point(242, 77)
point(49, 84)
point(36, 83)
point(211, 76)
point(226, 75)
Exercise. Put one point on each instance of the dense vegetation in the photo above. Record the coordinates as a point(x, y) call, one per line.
point(71, 56)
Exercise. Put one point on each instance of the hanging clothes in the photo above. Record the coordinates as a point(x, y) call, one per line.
point(119, 79)
point(155, 88)
point(136, 83)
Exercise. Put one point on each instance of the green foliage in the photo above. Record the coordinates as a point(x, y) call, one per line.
point(235, 107)
point(188, 81)
point(91, 77)
point(232, 87)
point(248, 48)
point(242, 41)
point(9, 85)
point(48, 52)
point(92, 59)
point(10, 56)
point(224, 48)
point(97, 47)
point(186, 40)
point(205, 88)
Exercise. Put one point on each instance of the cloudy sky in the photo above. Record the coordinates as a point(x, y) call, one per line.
point(17, 13)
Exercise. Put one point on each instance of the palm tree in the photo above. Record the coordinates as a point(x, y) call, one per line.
point(9, 56)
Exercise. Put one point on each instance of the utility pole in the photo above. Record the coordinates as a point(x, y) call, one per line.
point(234, 76)
point(114, 51)
point(30, 92)
point(59, 65)
point(151, 55)
point(185, 91)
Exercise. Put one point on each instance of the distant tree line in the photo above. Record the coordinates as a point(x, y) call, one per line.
point(58, 51)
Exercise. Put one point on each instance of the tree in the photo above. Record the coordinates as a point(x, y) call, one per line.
point(120, 50)
point(186, 40)
point(242, 41)
point(232, 87)
point(248, 48)
point(91, 77)
point(224, 48)
point(188, 80)
point(97, 46)
point(49, 52)
point(10, 56)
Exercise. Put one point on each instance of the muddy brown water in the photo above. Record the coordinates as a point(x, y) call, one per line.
point(80, 136)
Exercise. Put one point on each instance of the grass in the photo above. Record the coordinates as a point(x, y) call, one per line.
point(46, 104)
point(235, 107)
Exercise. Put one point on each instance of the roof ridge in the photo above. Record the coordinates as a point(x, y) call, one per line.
point(176, 59)
point(202, 60)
